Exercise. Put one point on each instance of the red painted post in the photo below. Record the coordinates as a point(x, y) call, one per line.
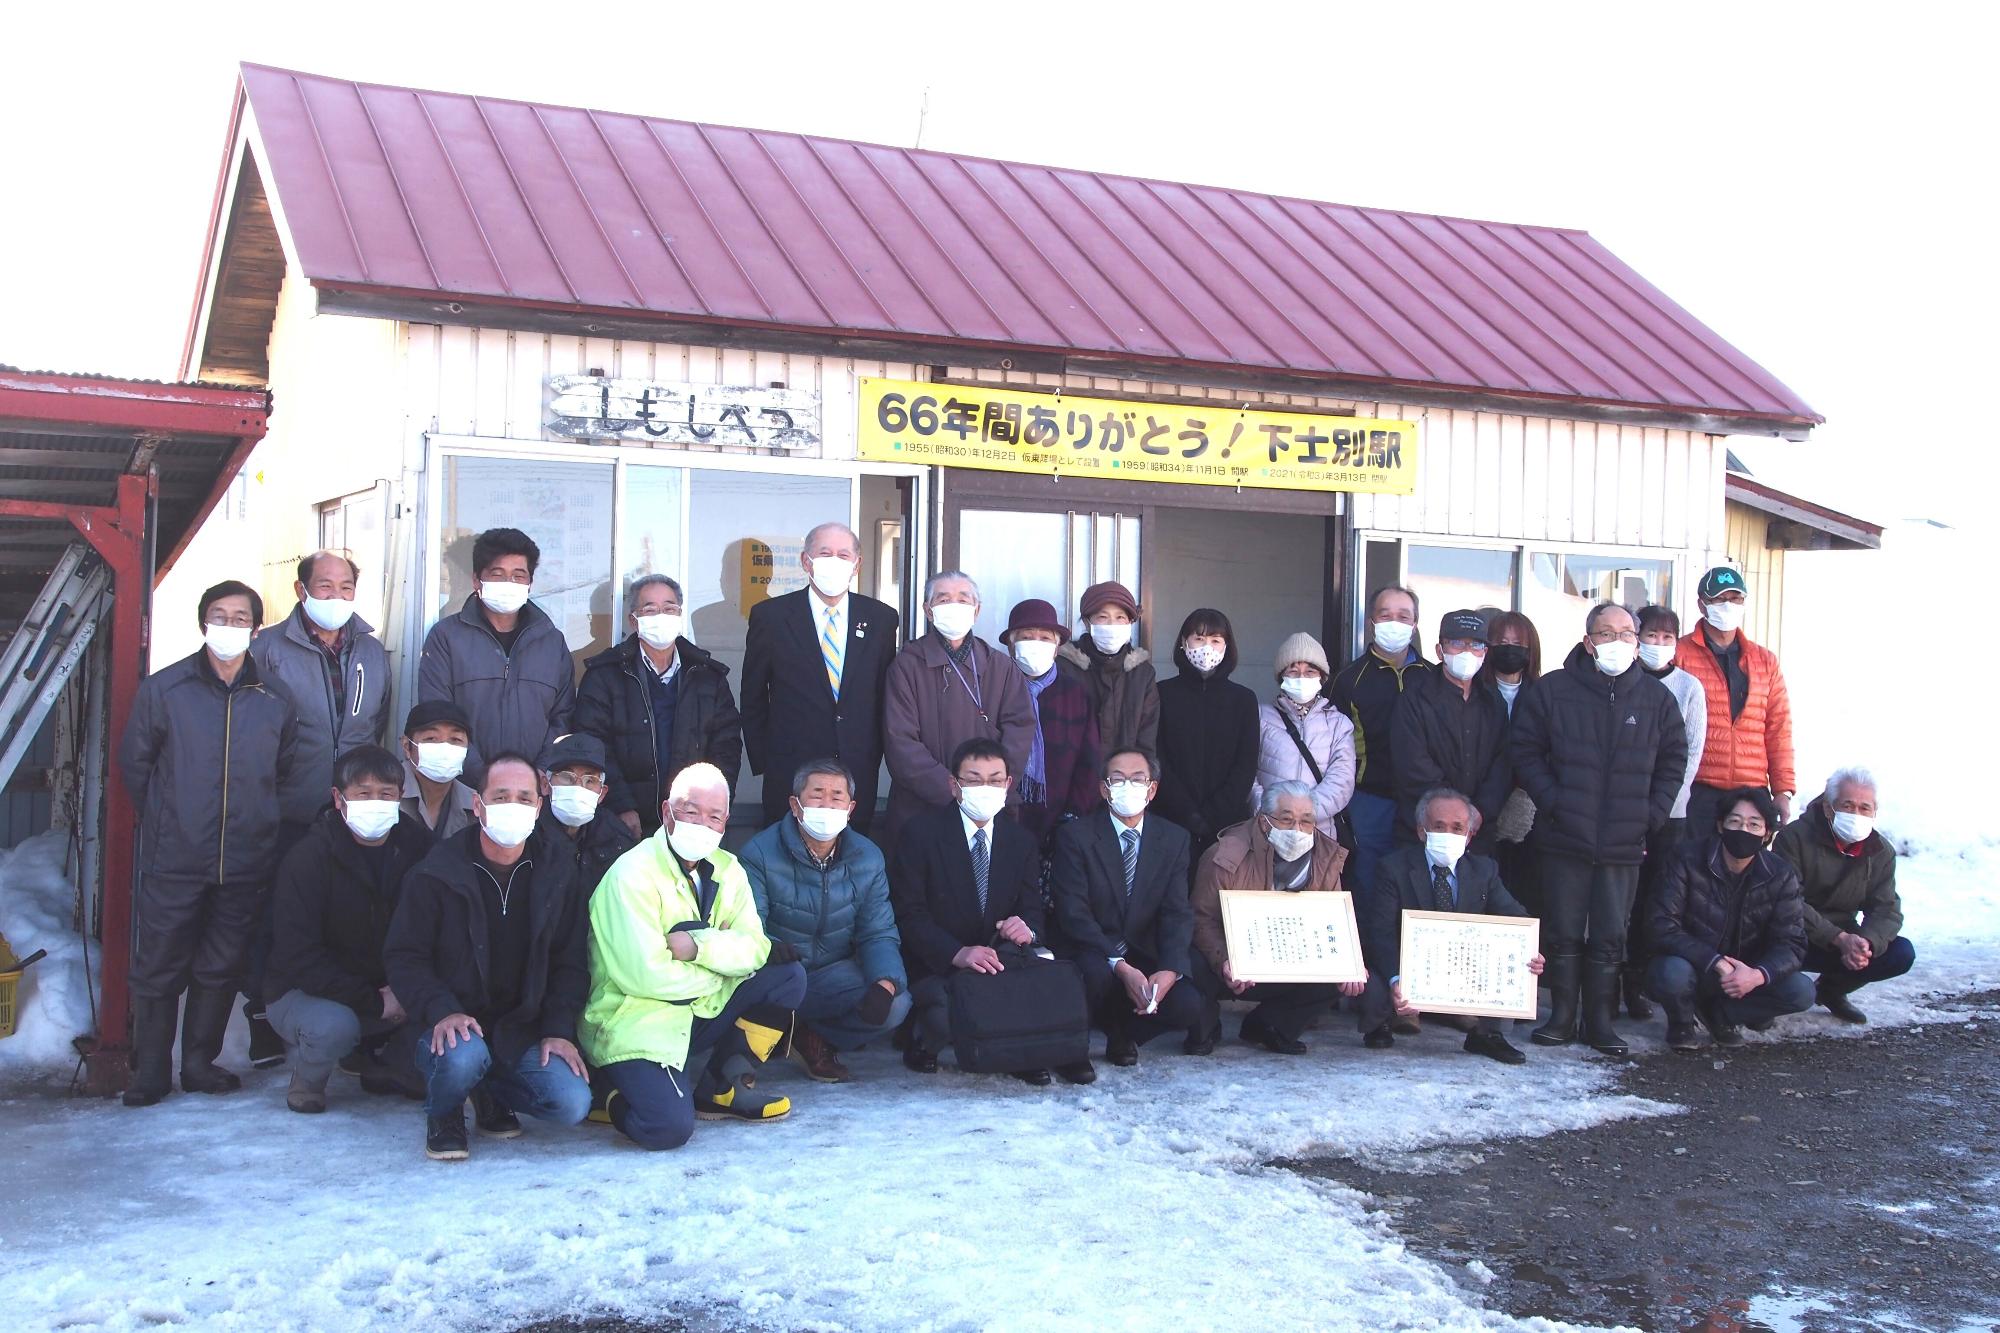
point(119, 534)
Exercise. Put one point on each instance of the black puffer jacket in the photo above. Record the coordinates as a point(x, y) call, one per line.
point(596, 845)
point(1442, 738)
point(1602, 757)
point(614, 705)
point(1700, 911)
point(1209, 740)
point(436, 952)
point(331, 907)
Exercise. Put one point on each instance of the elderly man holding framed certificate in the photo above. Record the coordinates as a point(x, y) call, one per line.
point(1445, 936)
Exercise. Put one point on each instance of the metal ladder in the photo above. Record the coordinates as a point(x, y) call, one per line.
point(47, 649)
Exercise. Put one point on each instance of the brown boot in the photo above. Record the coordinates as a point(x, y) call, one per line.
point(820, 1061)
point(1405, 1025)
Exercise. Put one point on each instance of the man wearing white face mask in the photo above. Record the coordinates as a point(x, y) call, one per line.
point(437, 736)
point(815, 674)
point(1302, 736)
point(334, 898)
point(1279, 850)
point(205, 754)
point(658, 703)
point(1370, 690)
point(1120, 882)
point(1847, 870)
point(1749, 708)
point(327, 661)
point(822, 893)
point(487, 954)
point(1601, 749)
point(500, 657)
point(1451, 731)
point(1440, 876)
point(1059, 781)
point(576, 818)
point(944, 689)
point(687, 1003)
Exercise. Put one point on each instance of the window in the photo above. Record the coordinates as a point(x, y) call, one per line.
point(565, 508)
point(355, 524)
point(649, 529)
point(1562, 586)
point(1457, 578)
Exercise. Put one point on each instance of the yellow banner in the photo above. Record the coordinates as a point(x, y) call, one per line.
point(1008, 430)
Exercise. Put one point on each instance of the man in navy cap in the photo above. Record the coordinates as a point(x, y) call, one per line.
point(575, 819)
point(437, 736)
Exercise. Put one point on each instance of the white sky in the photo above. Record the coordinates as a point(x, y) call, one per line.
point(1814, 181)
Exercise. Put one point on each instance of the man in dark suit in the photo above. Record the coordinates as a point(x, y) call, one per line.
point(1440, 876)
point(963, 875)
point(1121, 902)
point(815, 666)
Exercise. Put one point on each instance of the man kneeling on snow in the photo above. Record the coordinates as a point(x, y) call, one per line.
point(680, 975)
point(1440, 876)
point(331, 906)
point(487, 953)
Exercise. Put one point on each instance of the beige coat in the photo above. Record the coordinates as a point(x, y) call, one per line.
point(1241, 859)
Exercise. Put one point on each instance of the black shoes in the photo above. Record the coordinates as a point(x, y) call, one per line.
point(1034, 1078)
point(202, 1024)
point(917, 1058)
point(153, 1023)
point(1121, 1051)
point(1379, 1038)
point(1202, 1045)
point(444, 1137)
point(1683, 1035)
point(495, 1121)
point(1841, 1007)
point(1724, 1032)
point(1494, 1047)
point(1081, 1072)
point(1257, 1032)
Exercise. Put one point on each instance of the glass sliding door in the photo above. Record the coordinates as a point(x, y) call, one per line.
point(565, 507)
point(1016, 554)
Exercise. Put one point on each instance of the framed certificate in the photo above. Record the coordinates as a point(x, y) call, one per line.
point(1275, 936)
point(1462, 963)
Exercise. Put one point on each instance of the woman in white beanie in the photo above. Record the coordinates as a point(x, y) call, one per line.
point(1304, 738)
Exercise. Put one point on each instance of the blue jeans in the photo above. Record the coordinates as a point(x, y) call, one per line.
point(655, 1104)
point(832, 993)
point(1672, 981)
point(1373, 819)
point(547, 1092)
point(1835, 978)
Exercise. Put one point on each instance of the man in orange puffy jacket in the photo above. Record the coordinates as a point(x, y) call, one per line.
point(1749, 709)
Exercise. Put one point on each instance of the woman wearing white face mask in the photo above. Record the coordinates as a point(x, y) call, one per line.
point(1302, 737)
point(1208, 732)
point(1124, 687)
point(1060, 777)
point(658, 703)
point(945, 688)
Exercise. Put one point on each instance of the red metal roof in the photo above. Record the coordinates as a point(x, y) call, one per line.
point(484, 200)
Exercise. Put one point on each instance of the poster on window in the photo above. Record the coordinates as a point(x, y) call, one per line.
point(1052, 434)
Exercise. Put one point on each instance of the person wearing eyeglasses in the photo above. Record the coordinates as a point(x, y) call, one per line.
point(1601, 749)
point(207, 750)
point(575, 816)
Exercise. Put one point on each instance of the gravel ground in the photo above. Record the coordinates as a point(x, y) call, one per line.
point(1830, 1184)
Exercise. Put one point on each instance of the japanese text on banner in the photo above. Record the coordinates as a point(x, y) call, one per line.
point(1008, 430)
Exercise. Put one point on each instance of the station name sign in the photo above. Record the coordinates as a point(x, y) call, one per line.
point(597, 407)
point(1011, 430)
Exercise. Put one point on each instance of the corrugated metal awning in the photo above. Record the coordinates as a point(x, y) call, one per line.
point(1803, 524)
point(402, 194)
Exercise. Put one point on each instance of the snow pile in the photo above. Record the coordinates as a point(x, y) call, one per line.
point(897, 1201)
point(37, 903)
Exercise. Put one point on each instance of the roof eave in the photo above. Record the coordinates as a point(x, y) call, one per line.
point(428, 307)
point(1844, 530)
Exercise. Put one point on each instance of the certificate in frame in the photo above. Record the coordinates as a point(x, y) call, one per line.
point(1467, 963)
point(1302, 937)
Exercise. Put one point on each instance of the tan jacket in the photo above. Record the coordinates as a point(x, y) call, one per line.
point(1241, 859)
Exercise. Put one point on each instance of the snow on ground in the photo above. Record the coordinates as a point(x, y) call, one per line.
point(37, 901)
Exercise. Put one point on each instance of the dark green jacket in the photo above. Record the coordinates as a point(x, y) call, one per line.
point(1839, 888)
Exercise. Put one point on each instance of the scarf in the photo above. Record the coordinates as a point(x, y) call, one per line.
point(1035, 781)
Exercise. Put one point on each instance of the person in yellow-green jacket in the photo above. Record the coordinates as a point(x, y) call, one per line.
point(686, 1005)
